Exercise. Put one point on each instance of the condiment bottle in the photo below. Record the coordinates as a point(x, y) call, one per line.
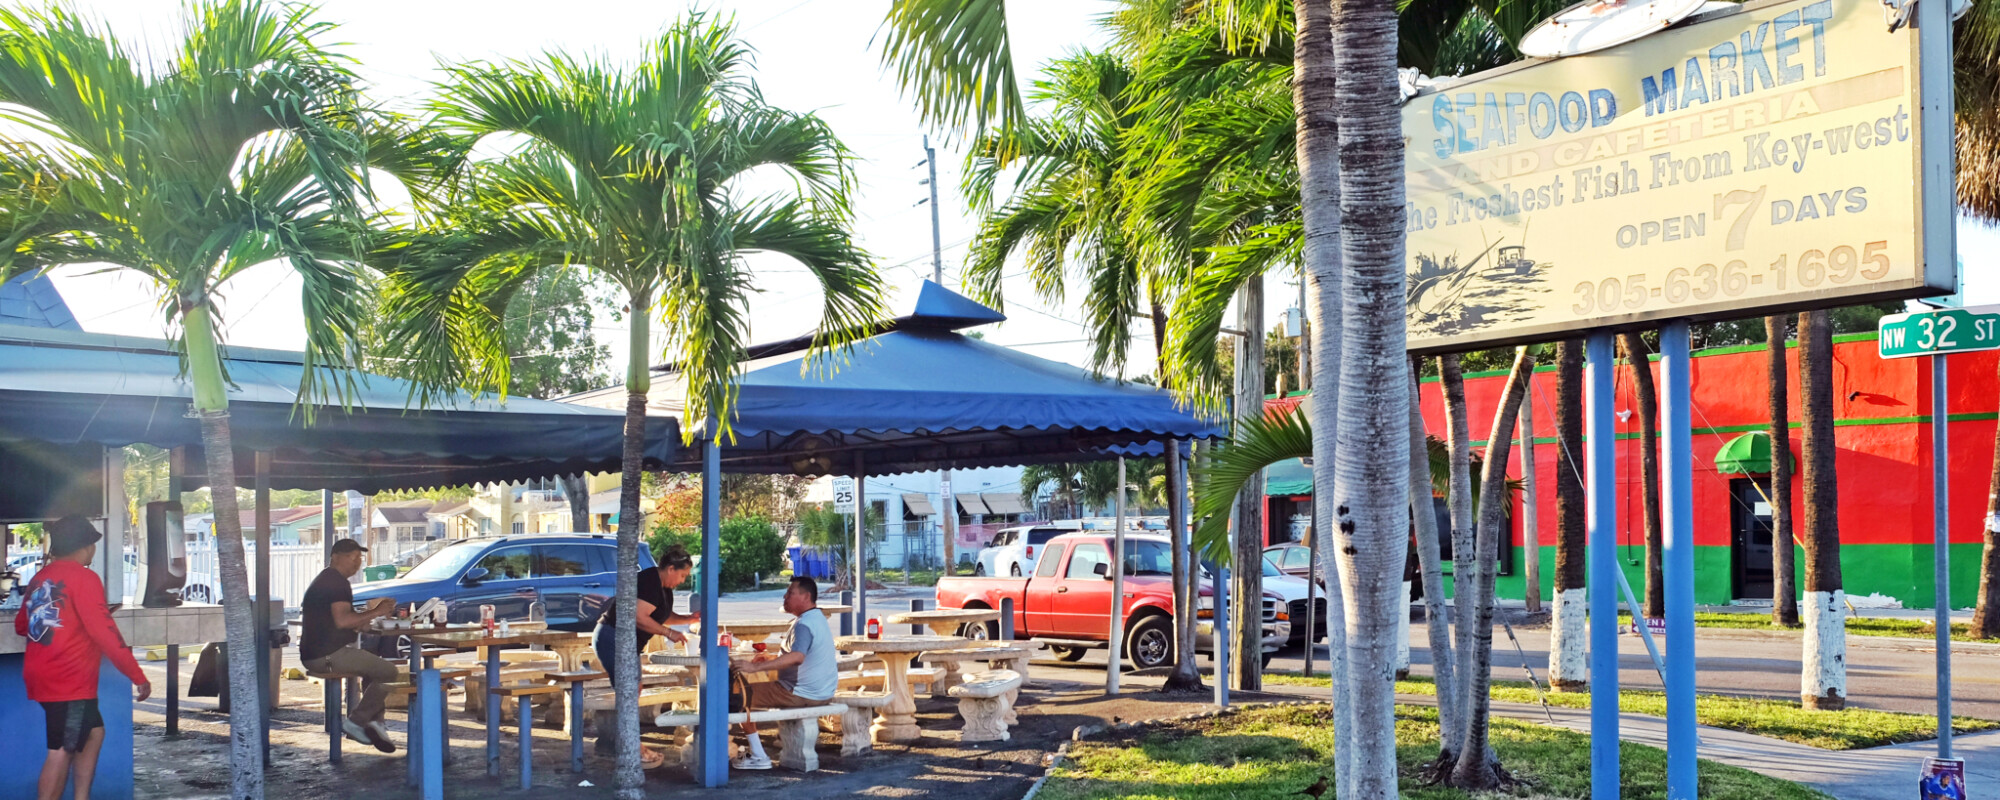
point(874, 628)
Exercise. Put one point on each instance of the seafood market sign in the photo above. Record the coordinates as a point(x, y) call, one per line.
point(1757, 160)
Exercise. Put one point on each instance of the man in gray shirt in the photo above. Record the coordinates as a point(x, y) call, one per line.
point(807, 674)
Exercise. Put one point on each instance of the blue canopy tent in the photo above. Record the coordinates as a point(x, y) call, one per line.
point(65, 396)
point(917, 395)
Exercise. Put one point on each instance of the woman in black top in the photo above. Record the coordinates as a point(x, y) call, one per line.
point(656, 612)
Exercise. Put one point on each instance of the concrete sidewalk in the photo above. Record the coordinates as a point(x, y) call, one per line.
point(1882, 773)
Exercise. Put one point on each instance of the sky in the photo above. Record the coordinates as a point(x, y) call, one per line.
point(811, 55)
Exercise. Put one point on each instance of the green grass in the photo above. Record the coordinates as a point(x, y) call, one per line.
point(1279, 753)
point(1778, 719)
point(1858, 626)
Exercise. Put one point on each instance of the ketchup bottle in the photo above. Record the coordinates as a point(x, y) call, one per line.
point(874, 628)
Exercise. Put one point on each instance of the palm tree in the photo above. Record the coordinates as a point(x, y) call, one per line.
point(1567, 672)
point(1655, 601)
point(1823, 684)
point(633, 174)
point(1976, 57)
point(245, 144)
point(1067, 214)
point(1784, 588)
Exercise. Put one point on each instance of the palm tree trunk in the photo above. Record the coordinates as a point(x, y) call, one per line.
point(1784, 588)
point(1372, 513)
point(1986, 609)
point(211, 403)
point(1567, 672)
point(1247, 600)
point(625, 686)
point(1649, 467)
point(1184, 677)
point(1823, 682)
point(1477, 767)
point(1464, 525)
point(577, 490)
point(1315, 81)
point(1431, 571)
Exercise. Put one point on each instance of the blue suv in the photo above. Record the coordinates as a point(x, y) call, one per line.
point(573, 575)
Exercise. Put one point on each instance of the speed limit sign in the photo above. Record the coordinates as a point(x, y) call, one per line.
point(843, 494)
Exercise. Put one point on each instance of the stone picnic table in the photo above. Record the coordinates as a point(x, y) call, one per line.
point(478, 640)
point(897, 722)
point(945, 621)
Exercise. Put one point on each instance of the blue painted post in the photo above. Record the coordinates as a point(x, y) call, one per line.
point(430, 698)
point(1677, 555)
point(712, 732)
point(1601, 503)
point(1007, 619)
point(492, 713)
point(576, 726)
point(527, 726)
point(917, 628)
point(847, 619)
point(332, 697)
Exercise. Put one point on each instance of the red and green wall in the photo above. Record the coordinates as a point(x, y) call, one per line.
point(1882, 429)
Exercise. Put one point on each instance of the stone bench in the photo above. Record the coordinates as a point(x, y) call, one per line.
point(854, 736)
point(982, 701)
point(873, 679)
point(798, 731)
point(951, 660)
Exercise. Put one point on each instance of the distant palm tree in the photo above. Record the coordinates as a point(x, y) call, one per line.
point(634, 173)
point(247, 142)
point(1823, 680)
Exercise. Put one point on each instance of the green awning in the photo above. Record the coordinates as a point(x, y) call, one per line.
point(1749, 454)
point(1288, 478)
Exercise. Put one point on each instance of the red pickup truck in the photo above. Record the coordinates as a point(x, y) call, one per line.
point(1066, 604)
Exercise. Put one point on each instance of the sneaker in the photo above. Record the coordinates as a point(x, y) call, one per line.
point(355, 732)
point(379, 736)
point(751, 762)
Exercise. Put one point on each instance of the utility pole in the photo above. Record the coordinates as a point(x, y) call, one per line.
point(949, 510)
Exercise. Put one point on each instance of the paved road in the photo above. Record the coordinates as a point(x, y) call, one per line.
point(1883, 673)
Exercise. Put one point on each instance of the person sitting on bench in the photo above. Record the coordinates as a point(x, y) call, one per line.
point(328, 629)
point(806, 672)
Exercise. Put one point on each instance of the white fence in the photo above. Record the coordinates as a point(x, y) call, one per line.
point(293, 567)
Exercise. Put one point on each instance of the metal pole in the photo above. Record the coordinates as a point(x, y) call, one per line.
point(1941, 545)
point(1531, 535)
point(713, 711)
point(326, 523)
point(1223, 632)
point(1600, 489)
point(1677, 554)
point(262, 608)
point(860, 545)
point(1111, 671)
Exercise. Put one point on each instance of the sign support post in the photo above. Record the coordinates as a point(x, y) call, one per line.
point(1601, 504)
point(1111, 671)
point(1941, 547)
point(1677, 556)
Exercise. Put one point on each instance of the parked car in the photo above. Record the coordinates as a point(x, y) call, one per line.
point(1065, 602)
point(1012, 551)
point(1295, 559)
point(1291, 592)
point(572, 575)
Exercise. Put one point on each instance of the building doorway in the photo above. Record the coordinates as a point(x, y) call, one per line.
point(1750, 538)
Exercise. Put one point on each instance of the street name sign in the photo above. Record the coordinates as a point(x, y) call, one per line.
point(1939, 332)
point(1763, 158)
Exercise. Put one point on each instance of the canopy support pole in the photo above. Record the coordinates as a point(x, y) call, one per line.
point(1601, 504)
point(712, 732)
point(860, 544)
point(1677, 555)
point(1117, 584)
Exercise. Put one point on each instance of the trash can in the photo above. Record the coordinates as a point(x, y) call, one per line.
point(380, 572)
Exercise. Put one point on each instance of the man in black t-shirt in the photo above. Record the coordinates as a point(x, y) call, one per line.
point(656, 612)
point(328, 630)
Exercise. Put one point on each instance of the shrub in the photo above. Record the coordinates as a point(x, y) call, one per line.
point(751, 546)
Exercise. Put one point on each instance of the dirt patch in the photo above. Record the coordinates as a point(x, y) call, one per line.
point(195, 764)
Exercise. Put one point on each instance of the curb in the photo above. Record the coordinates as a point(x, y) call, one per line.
point(1084, 732)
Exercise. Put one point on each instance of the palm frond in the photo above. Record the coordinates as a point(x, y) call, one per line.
point(955, 60)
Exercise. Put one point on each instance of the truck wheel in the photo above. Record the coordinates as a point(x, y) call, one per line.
point(980, 631)
point(1067, 653)
point(1014, 569)
point(1151, 643)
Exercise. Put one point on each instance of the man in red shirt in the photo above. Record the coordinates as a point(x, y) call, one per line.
point(70, 632)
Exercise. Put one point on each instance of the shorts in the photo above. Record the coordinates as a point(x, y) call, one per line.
point(70, 723)
point(765, 696)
